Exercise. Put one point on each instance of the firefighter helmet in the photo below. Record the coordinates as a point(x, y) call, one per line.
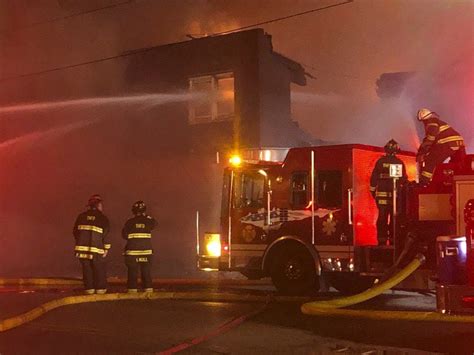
point(94, 201)
point(139, 207)
point(391, 147)
point(424, 114)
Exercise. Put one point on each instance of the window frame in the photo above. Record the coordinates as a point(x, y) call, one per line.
point(292, 191)
point(214, 100)
point(239, 188)
point(319, 195)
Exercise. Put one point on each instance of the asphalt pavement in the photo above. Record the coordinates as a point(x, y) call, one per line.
point(154, 326)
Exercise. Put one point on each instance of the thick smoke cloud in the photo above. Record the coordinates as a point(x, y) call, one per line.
point(51, 161)
point(432, 39)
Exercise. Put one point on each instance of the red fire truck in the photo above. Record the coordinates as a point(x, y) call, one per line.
point(310, 217)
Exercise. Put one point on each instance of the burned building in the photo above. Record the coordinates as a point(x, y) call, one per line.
point(239, 90)
point(124, 128)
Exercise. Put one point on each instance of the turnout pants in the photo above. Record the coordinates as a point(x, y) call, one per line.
point(136, 265)
point(384, 223)
point(94, 273)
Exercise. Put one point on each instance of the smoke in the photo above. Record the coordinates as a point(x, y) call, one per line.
point(144, 101)
point(432, 39)
point(134, 151)
point(125, 148)
point(366, 121)
point(447, 89)
point(41, 137)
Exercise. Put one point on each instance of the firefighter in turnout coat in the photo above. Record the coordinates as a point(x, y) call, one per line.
point(440, 142)
point(138, 250)
point(90, 232)
point(381, 188)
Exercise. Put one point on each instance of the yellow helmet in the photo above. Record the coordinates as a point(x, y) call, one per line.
point(424, 114)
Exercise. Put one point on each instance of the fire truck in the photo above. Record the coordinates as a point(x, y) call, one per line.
point(305, 217)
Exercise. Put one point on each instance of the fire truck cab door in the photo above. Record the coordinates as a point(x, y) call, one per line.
point(248, 216)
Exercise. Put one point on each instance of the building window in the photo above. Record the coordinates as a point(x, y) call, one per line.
point(212, 98)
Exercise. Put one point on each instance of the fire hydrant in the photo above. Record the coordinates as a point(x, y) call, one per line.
point(469, 219)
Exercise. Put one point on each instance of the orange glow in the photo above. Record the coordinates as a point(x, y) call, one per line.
point(415, 141)
point(365, 209)
point(410, 166)
point(227, 94)
point(412, 170)
point(235, 160)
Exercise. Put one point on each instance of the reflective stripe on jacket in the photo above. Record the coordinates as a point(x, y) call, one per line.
point(90, 232)
point(439, 132)
point(381, 184)
point(137, 232)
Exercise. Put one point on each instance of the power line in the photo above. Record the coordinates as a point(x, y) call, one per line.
point(56, 19)
point(283, 18)
point(129, 53)
point(8, 78)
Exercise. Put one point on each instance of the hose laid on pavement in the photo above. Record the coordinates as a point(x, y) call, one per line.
point(16, 321)
point(391, 315)
point(331, 308)
point(308, 308)
point(39, 282)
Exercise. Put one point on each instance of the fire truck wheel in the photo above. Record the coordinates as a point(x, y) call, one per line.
point(293, 271)
point(349, 283)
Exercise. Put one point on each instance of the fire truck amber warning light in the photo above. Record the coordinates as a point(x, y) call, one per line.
point(235, 160)
point(213, 244)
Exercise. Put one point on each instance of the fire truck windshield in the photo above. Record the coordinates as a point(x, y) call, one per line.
point(249, 190)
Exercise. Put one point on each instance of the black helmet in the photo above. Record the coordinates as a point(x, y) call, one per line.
point(94, 201)
point(139, 207)
point(391, 147)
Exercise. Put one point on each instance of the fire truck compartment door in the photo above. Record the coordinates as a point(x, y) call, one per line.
point(434, 207)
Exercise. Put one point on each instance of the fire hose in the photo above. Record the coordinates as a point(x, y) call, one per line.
point(317, 308)
point(13, 322)
point(332, 308)
point(368, 294)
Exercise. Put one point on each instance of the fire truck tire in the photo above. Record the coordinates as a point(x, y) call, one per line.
point(349, 283)
point(293, 271)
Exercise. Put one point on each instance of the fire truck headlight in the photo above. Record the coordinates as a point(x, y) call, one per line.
point(213, 244)
point(235, 160)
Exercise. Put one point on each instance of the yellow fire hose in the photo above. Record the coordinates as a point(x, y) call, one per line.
point(391, 315)
point(331, 308)
point(39, 282)
point(16, 321)
point(319, 308)
point(370, 293)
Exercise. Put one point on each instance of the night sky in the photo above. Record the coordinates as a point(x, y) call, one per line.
point(346, 48)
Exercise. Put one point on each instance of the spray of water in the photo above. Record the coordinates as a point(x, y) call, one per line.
point(146, 101)
point(109, 145)
point(44, 136)
point(142, 102)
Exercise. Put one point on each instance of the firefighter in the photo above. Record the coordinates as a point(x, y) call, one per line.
point(90, 232)
point(138, 250)
point(440, 142)
point(381, 188)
